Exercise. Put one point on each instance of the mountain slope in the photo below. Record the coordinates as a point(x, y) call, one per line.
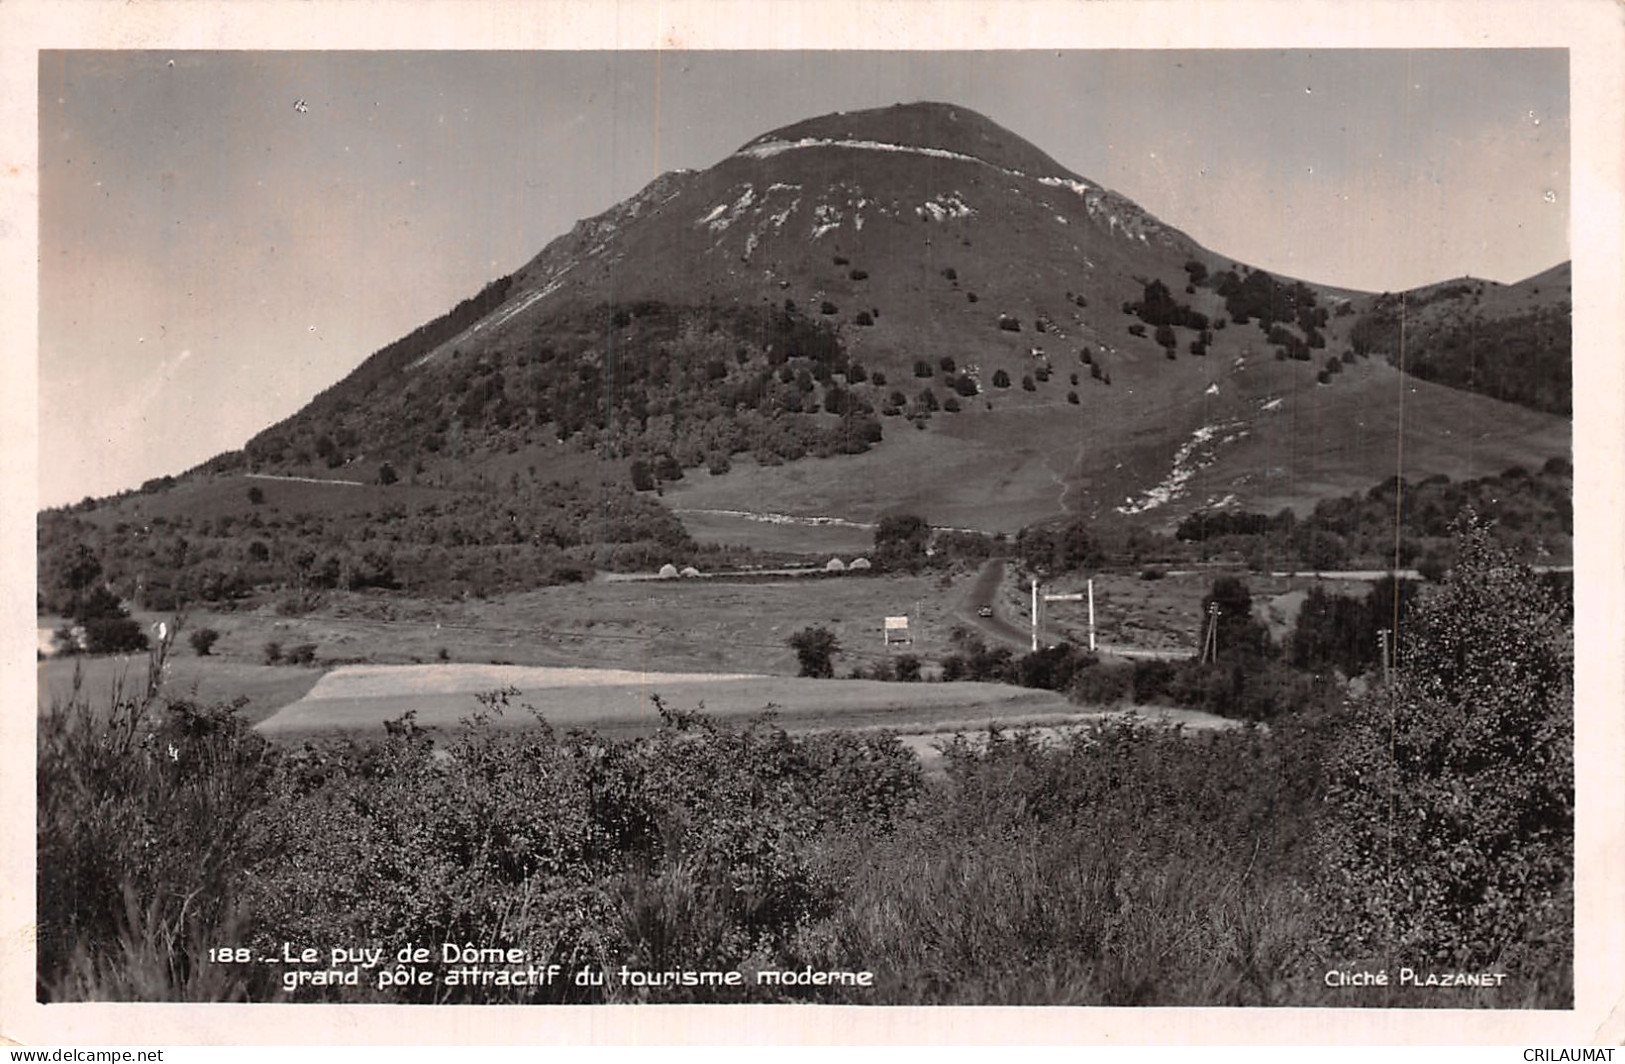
point(936, 315)
point(1509, 342)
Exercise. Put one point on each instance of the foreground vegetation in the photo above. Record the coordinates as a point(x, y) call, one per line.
point(1425, 823)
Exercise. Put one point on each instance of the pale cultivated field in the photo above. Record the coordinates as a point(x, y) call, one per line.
point(362, 698)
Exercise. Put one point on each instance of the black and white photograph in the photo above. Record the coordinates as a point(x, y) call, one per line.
point(1082, 521)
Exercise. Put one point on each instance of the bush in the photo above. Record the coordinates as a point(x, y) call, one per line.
point(908, 669)
point(203, 641)
point(1001, 379)
point(1009, 324)
point(273, 653)
point(815, 649)
point(302, 654)
point(114, 635)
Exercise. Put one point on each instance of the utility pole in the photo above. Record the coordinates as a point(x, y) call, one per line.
point(1035, 615)
point(1382, 643)
point(1091, 615)
point(1210, 644)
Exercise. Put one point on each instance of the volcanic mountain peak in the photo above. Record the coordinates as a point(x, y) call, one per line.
point(918, 266)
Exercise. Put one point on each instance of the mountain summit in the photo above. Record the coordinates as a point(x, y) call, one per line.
point(964, 327)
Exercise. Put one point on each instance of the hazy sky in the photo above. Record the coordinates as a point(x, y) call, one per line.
point(212, 255)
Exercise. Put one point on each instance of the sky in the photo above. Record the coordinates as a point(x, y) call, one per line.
point(225, 234)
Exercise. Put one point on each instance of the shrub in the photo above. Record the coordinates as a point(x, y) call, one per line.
point(826, 307)
point(946, 364)
point(273, 653)
point(1072, 397)
point(950, 273)
point(1027, 383)
point(256, 495)
point(203, 641)
point(302, 654)
point(114, 635)
point(908, 669)
point(951, 405)
point(970, 297)
point(859, 275)
point(864, 318)
point(922, 368)
point(1001, 379)
point(1009, 324)
point(815, 649)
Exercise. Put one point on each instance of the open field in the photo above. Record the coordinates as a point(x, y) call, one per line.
point(207, 680)
point(681, 626)
point(362, 698)
point(658, 628)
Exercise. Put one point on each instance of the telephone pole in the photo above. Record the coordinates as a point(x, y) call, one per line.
point(1210, 642)
point(1035, 615)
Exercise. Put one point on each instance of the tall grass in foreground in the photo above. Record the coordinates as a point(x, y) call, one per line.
point(146, 823)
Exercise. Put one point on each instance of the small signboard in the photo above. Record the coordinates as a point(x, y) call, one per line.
point(897, 630)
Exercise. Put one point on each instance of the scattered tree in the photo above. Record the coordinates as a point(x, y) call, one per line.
point(815, 650)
